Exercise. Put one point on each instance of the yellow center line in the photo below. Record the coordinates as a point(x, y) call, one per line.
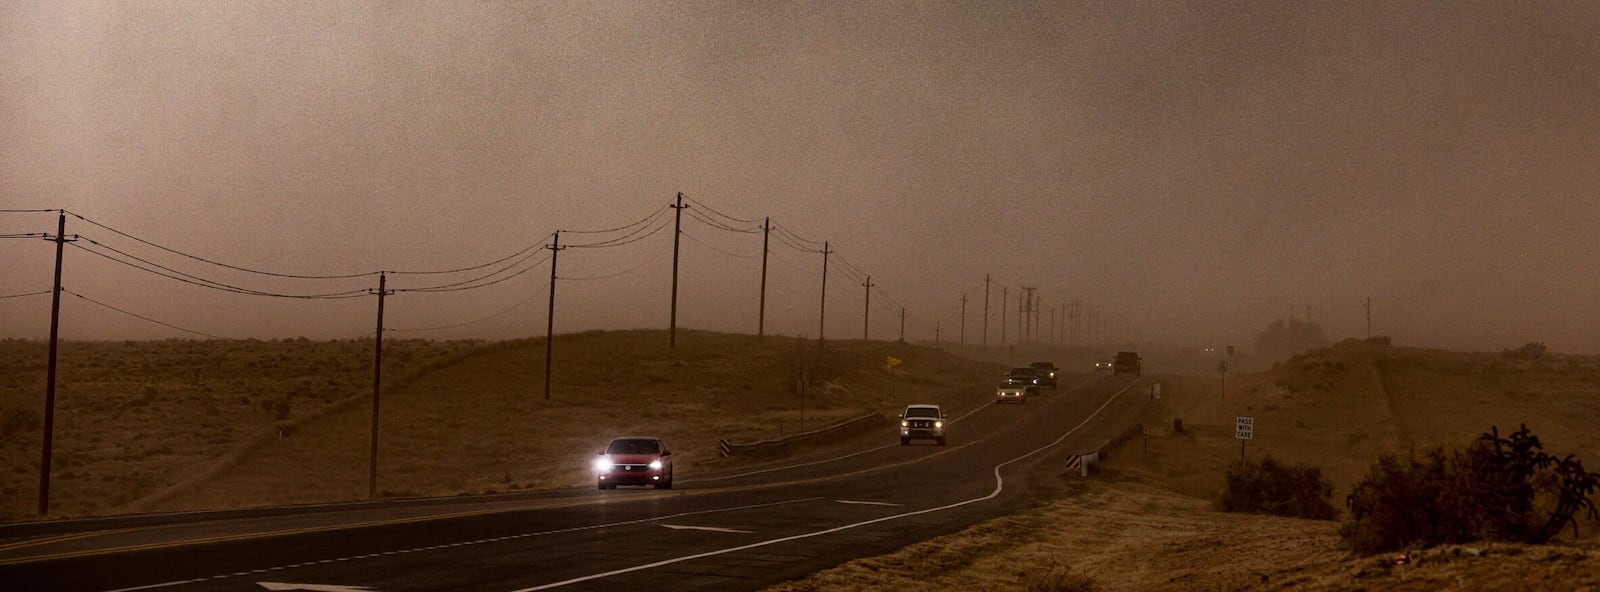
point(553, 504)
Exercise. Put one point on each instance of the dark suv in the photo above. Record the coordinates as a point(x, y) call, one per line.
point(1026, 377)
point(1047, 373)
point(1127, 363)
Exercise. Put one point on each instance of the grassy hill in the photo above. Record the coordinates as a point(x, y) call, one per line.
point(1147, 523)
point(172, 425)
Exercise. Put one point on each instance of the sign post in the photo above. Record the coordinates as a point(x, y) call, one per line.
point(1222, 370)
point(890, 362)
point(1244, 428)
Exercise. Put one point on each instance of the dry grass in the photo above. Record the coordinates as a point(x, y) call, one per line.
point(132, 417)
point(175, 425)
point(1147, 522)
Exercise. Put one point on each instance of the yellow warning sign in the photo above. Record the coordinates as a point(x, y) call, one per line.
point(891, 361)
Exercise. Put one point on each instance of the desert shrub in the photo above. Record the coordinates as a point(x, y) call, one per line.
point(1531, 350)
point(279, 407)
point(1267, 487)
point(1498, 489)
point(1061, 581)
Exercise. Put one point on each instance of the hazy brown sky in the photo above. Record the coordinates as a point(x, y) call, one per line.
point(1193, 167)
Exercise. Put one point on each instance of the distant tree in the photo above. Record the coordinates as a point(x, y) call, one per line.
point(1281, 340)
point(1532, 350)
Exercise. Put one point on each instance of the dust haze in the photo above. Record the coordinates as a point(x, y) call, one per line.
point(1191, 172)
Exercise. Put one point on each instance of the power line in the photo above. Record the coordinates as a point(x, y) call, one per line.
point(26, 235)
point(709, 246)
point(788, 242)
point(626, 239)
point(714, 211)
point(144, 318)
point(13, 211)
point(785, 231)
point(720, 225)
point(639, 222)
point(471, 322)
point(629, 270)
point(25, 294)
point(221, 264)
point(531, 247)
point(205, 283)
point(464, 285)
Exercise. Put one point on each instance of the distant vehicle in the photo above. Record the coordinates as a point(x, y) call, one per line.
point(1047, 373)
point(1011, 393)
point(1103, 366)
point(1026, 377)
point(1127, 363)
point(634, 461)
point(922, 421)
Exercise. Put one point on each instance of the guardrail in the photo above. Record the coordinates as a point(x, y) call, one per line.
point(726, 448)
point(1084, 462)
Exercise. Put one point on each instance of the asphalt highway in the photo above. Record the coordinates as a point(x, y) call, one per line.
point(734, 530)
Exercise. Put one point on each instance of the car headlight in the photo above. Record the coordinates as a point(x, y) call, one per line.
point(904, 423)
point(938, 424)
point(602, 464)
point(655, 464)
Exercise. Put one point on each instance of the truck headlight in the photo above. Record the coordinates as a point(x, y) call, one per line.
point(904, 423)
point(938, 424)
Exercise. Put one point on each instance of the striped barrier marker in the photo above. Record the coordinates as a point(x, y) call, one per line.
point(725, 448)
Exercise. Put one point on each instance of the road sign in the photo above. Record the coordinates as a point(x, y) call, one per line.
point(891, 361)
point(1244, 428)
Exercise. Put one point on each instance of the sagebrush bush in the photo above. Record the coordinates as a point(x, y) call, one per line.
point(1498, 489)
point(1267, 487)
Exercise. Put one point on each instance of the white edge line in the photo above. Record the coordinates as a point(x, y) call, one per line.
point(547, 532)
point(999, 485)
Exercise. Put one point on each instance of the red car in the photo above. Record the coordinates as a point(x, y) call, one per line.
point(634, 461)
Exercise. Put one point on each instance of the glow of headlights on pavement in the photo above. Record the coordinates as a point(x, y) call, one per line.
point(655, 464)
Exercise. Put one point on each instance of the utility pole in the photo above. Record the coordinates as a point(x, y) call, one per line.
point(50, 372)
point(866, 310)
point(986, 311)
point(1024, 320)
point(963, 320)
point(377, 388)
point(1002, 317)
point(677, 235)
point(1022, 313)
point(822, 315)
point(1369, 317)
point(1052, 338)
point(935, 333)
point(761, 322)
point(550, 316)
point(902, 324)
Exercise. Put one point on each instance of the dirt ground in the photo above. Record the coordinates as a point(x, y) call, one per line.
point(1146, 521)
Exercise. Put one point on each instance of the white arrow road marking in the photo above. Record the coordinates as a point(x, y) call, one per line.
point(857, 502)
point(313, 587)
point(710, 528)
